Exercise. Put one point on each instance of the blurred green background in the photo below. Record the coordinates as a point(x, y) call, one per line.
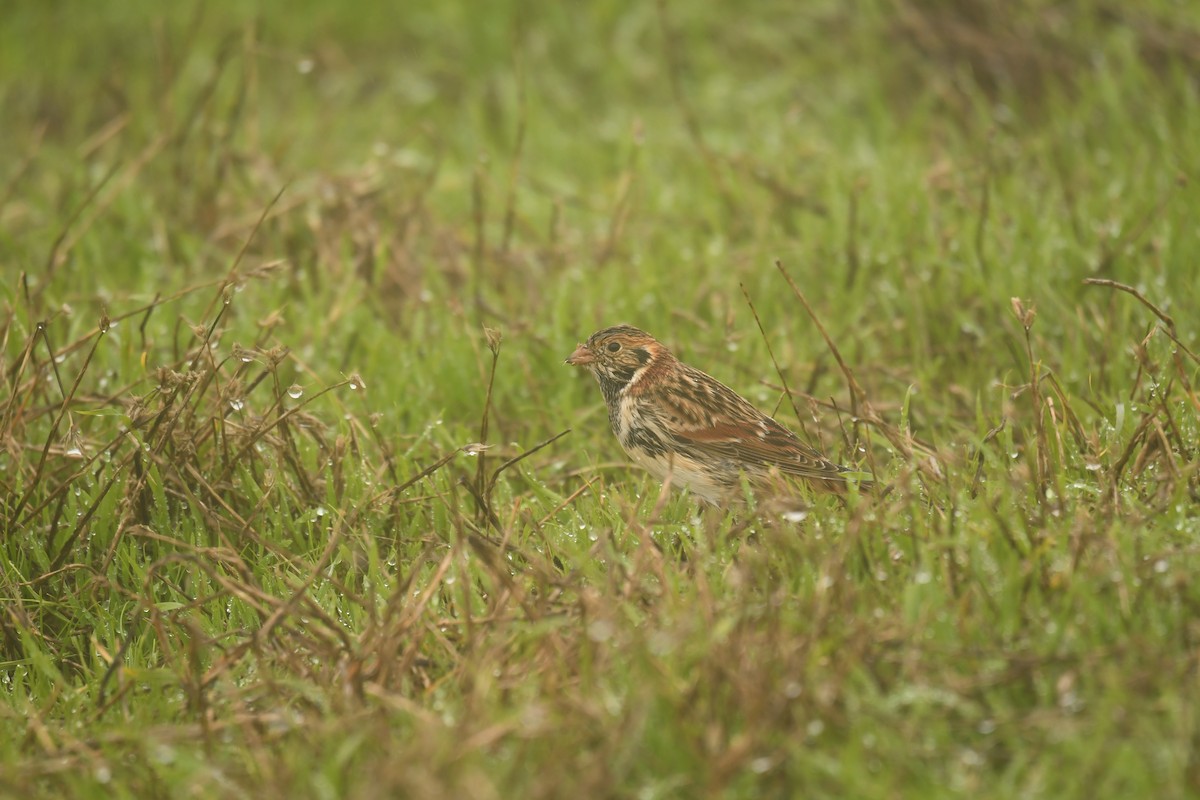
point(347, 194)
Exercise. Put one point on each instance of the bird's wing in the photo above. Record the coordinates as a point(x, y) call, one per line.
point(765, 443)
point(712, 422)
point(706, 420)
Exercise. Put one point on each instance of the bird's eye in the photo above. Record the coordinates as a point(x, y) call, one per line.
point(614, 347)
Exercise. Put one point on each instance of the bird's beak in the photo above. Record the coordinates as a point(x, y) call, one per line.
point(581, 357)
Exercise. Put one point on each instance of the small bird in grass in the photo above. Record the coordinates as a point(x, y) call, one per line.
point(677, 421)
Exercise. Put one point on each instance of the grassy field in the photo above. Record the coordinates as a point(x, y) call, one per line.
point(271, 276)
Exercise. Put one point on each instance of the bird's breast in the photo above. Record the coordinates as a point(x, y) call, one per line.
point(646, 438)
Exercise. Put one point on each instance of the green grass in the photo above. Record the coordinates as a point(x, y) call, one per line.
point(248, 259)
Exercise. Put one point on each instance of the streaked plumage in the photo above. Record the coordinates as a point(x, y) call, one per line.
point(674, 419)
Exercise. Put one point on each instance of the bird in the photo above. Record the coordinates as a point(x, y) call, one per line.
point(687, 428)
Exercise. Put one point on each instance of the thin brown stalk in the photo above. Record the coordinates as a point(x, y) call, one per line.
point(62, 412)
point(570, 499)
point(787, 391)
point(857, 395)
point(481, 489)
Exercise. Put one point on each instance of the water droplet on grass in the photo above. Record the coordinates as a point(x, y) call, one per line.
point(600, 630)
point(295, 391)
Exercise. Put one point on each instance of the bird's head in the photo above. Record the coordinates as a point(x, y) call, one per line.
point(617, 356)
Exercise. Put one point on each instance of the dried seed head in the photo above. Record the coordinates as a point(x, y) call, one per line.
point(494, 338)
point(1024, 314)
